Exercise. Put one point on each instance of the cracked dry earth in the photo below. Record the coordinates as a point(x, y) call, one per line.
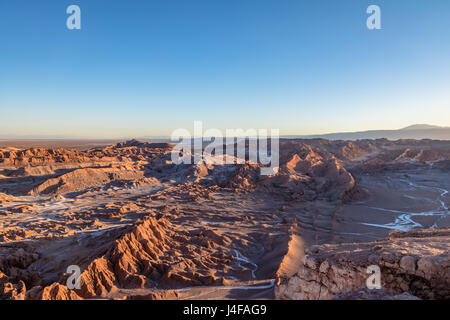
point(141, 227)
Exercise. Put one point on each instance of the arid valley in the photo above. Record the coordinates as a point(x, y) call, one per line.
point(141, 227)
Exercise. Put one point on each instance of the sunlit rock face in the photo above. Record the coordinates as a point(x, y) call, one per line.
point(412, 264)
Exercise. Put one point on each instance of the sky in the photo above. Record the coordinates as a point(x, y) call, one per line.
point(145, 68)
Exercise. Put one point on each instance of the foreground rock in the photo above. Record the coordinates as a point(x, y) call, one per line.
point(416, 263)
point(373, 294)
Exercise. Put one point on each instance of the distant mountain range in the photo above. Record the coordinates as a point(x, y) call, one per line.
point(416, 131)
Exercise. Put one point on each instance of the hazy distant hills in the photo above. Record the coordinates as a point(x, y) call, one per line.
point(417, 131)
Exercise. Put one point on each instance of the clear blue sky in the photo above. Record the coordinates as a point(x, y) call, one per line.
point(145, 68)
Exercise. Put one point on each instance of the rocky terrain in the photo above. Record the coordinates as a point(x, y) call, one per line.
point(413, 262)
point(140, 227)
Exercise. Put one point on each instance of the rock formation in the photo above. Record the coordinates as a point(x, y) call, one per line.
point(415, 262)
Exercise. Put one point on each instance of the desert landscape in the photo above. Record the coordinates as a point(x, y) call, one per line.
point(141, 227)
point(226, 159)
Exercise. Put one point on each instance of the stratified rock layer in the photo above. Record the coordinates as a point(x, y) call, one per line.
point(414, 262)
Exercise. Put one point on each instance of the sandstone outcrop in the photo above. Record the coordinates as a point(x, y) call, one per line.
point(416, 263)
point(307, 173)
point(150, 255)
